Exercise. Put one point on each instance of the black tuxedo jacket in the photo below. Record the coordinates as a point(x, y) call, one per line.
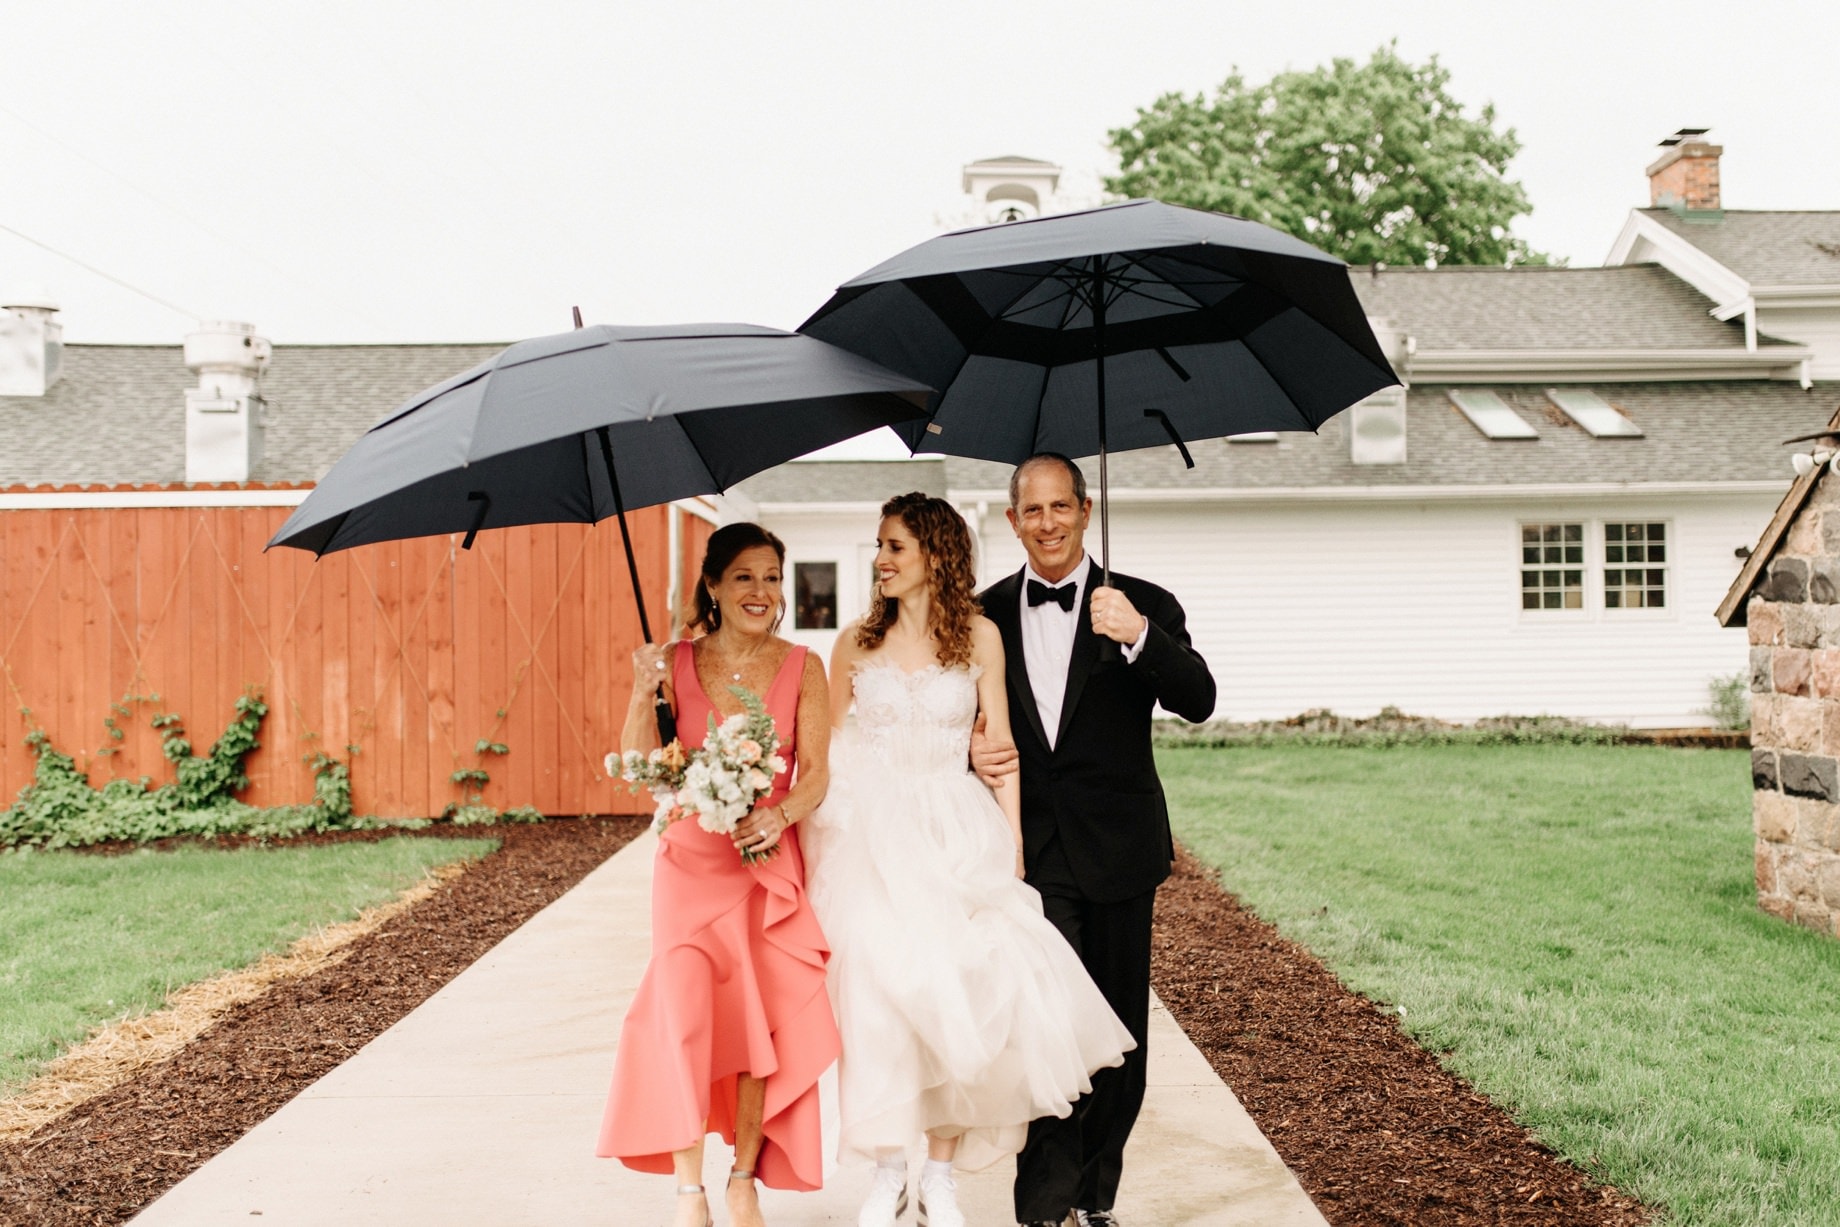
point(1097, 787)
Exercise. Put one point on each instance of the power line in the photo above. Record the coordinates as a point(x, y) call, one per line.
point(240, 248)
point(64, 255)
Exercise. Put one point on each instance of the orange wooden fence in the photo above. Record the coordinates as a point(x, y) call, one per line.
point(413, 652)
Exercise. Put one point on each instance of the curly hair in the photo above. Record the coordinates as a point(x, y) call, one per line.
point(724, 546)
point(945, 546)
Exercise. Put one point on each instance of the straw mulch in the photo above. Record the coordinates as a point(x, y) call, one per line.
point(103, 1160)
point(118, 1051)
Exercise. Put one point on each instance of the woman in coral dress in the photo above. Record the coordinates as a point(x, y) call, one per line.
point(964, 1012)
point(731, 1026)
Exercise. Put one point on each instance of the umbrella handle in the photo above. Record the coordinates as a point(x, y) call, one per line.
point(479, 518)
point(664, 717)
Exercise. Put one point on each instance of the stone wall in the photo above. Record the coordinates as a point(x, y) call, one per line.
point(1794, 621)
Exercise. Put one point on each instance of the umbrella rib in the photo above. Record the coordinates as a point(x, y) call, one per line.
point(1029, 285)
point(1279, 383)
point(698, 452)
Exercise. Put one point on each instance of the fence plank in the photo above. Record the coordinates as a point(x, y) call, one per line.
point(413, 661)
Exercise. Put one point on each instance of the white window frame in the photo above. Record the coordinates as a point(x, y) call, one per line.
point(1669, 590)
point(1520, 543)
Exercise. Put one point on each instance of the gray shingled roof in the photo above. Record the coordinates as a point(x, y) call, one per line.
point(845, 481)
point(1765, 247)
point(1693, 431)
point(1635, 306)
point(117, 417)
point(118, 414)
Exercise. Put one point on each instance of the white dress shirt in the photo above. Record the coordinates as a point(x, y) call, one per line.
point(1047, 642)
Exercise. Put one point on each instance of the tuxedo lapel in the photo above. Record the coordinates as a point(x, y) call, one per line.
point(1080, 661)
point(1004, 607)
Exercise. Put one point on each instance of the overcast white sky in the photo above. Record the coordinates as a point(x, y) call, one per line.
point(447, 171)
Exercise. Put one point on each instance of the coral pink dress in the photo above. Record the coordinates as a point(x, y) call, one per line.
point(735, 984)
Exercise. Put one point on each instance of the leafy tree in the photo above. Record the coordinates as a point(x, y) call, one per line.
point(1371, 162)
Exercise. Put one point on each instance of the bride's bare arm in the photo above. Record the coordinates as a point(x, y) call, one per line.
point(993, 705)
point(844, 655)
point(814, 721)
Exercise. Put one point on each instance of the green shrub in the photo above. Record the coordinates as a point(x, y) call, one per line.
point(61, 809)
point(1389, 727)
point(1729, 701)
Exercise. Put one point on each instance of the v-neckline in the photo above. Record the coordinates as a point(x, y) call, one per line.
point(696, 676)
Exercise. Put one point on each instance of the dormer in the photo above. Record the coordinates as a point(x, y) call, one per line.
point(1776, 272)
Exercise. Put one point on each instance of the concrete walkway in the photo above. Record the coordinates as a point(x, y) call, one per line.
point(480, 1109)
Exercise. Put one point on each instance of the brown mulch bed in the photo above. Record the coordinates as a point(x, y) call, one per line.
point(1376, 1130)
point(110, 1157)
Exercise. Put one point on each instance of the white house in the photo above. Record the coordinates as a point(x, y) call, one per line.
point(1544, 522)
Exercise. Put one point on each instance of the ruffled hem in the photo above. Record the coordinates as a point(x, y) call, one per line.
point(959, 1003)
point(739, 991)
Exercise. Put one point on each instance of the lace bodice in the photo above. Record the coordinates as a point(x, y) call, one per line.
point(918, 721)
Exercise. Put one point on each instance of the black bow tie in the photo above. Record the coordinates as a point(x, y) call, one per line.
point(1040, 593)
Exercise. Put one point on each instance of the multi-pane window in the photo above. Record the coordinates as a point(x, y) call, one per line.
point(1635, 565)
point(814, 596)
point(1552, 566)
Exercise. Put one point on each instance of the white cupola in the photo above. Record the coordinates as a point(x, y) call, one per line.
point(31, 341)
point(225, 413)
point(1011, 189)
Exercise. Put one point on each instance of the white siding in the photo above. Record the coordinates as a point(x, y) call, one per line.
point(846, 538)
point(1357, 606)
point(1817, 328)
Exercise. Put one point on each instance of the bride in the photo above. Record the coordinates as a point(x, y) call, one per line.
point(964, 1013)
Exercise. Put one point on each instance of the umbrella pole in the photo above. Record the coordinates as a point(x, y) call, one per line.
point(662, 715)
point(1105, 519)
point(619, 509)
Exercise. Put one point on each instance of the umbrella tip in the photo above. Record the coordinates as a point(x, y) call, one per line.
point(576, 311)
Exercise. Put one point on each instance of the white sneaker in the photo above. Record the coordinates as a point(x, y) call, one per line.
point(887, 1200)
point(939, 1202)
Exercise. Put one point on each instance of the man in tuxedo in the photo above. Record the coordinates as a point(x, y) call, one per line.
point(1087, 664)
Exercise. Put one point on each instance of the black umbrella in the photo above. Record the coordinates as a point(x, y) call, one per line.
point(583, 425)
point(1122, 327)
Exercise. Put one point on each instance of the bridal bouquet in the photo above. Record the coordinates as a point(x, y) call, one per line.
point(719, 782)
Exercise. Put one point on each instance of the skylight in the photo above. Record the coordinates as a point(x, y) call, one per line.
point(1490, 414)
point(1591, 411)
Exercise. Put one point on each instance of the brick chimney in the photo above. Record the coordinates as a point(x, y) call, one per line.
point(1686, 176)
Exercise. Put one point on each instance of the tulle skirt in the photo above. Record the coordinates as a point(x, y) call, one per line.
point(961, 1008)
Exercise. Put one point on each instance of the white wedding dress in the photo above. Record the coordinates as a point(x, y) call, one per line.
point(960, 1005)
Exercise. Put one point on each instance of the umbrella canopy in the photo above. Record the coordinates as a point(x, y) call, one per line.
point(1121, 327)
point(582, 425)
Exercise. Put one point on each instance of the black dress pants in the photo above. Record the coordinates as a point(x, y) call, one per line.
point(1076, 1162)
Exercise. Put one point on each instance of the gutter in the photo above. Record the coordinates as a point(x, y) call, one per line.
point(1611, 365)
point(1151, 496)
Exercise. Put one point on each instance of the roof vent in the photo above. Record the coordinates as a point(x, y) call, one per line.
point(225, 414)
point(31, 341)
point(1377, 428)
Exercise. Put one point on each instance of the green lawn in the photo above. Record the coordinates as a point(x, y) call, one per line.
point(85, 939)
point(1575, 928)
